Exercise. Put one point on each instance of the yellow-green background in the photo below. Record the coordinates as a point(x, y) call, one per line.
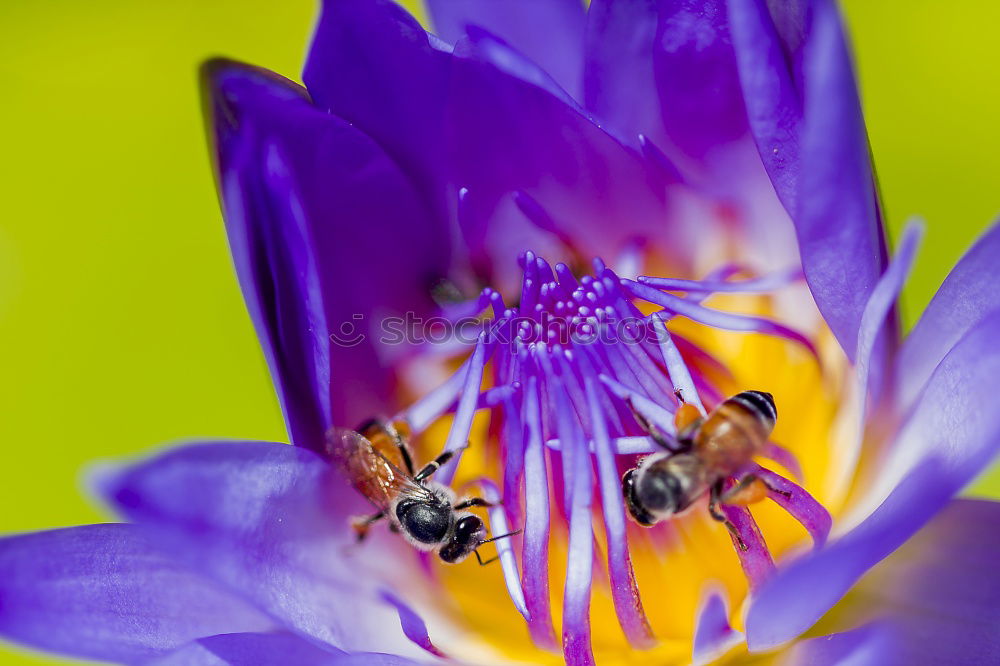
point(121, 325)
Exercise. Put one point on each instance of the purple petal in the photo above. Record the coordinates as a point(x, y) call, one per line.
point(880, 305)
point(549, 32)
point(771, 93)
point(309, 202)
point(106, 592)
point(804, 112)
point(373, 65)
point(939, 591)
point(873, 643)
point(490, 48)
point(506, 135)
point(695, 68)
point(800, 504)
point(968, 294)
point(952, 434)
point(270, 520)
point(837, 222)
point(411, 623)
point(275, 649)
point(619, 83)
point(713, 636)
point(251, 648)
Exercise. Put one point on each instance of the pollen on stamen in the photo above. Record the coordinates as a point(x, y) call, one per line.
point(573, 371)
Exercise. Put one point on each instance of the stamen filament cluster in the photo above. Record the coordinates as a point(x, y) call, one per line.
point(565, 367)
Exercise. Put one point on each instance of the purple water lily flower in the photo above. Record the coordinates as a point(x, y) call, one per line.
point(544, 232)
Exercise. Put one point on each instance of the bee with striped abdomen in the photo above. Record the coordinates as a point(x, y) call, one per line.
point(706, 452)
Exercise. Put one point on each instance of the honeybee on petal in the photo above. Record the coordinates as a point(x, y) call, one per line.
point(706, 452)
point(377, 460)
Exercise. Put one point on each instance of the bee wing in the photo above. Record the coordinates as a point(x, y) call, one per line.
point(371, 473)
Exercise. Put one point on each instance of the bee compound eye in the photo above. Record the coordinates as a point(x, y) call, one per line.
point(427, 522)
point(658, 490)
point(469, 529)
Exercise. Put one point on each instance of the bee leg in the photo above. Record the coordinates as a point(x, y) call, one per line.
point(680, 446)
point(750, 490)
point(483, 562)
point(471, 502)
point(361, 525)
point(404, 450)
point(435, 464)
point(713, 509)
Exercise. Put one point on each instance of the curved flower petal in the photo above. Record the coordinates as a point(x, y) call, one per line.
point(769, 65)
point(266, 520)
point(314, 206)
point(506, 135)
point(466, 125)
point(870, 644)
point(968, 294)
point(713, 636)
point(696, 77)
point(549, 32)
point(938, 592)
point(106, 592)
point(275, 649)
point(837, 219)
point(251, 648)
point(953, 432)
point(373, 65)
point(619, 83)
point(412, 624)
point(805, 115)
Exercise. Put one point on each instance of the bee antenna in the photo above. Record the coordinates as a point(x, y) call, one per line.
point(502, 536)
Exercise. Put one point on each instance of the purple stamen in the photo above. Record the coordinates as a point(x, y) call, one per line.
point(676, 367)
point(766, 283)
point(579, 565)
point(622, 446)
point(624, 591)
point(783, 457)
point(716, 318)
point(658, 415)
point(795, 500)
point(505, 547)
point(535, 553)
point(458, 436)
point(431, 406)
point(756, 560)
point(567, 367)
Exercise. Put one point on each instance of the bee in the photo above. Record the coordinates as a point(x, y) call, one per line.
point(377, 460)
point(707, 451)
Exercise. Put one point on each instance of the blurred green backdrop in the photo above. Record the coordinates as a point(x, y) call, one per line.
point(121, 323)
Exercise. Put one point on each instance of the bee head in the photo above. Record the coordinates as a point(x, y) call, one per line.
point(425, 521)
point(659, 491)
point(468, 535)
